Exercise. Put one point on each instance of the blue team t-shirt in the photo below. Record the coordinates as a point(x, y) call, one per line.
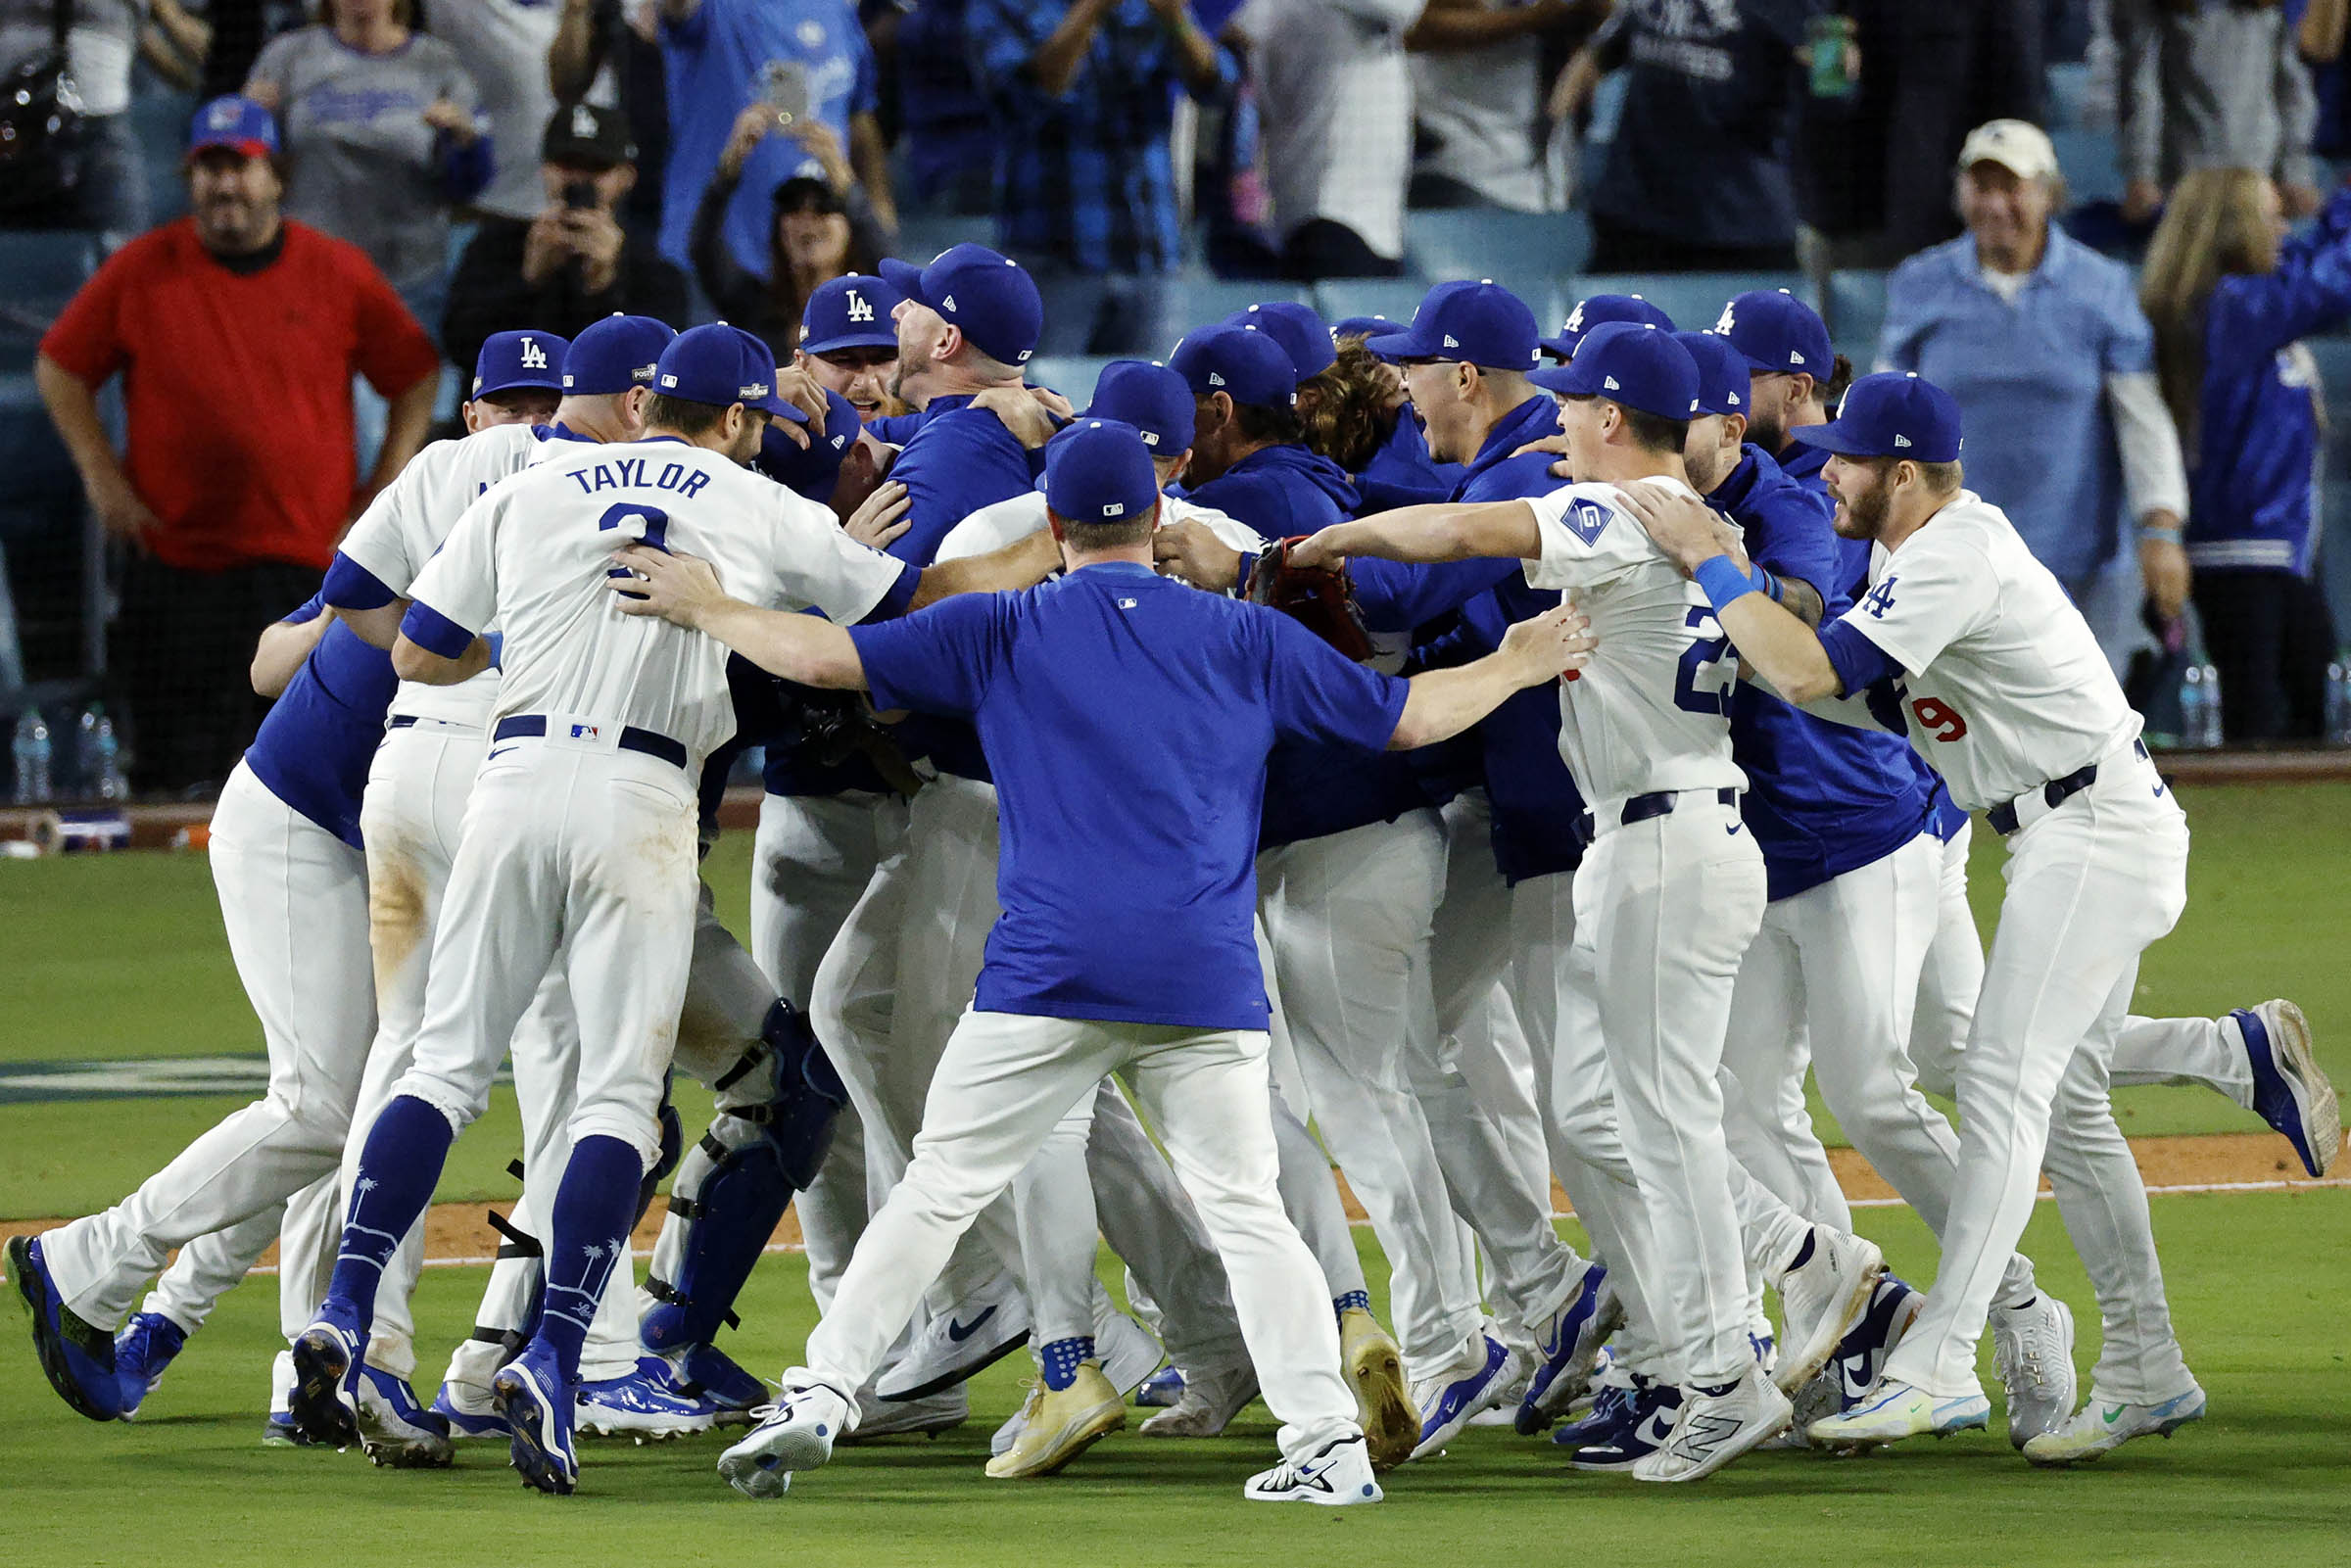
point(1128, 720)
point(314, 746)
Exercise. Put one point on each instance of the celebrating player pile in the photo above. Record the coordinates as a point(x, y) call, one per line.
point(1595, 809)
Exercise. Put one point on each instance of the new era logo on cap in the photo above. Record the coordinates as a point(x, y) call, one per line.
point(1610, 383)
point(1901, 441)
point(1452, 342)
point(947, 303)
point(1215, 380)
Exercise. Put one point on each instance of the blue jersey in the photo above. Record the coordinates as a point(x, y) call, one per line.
point(1823, 799)
point(1128, 719)
point(314, 748)
point(1802, 464)
point(1402, 473)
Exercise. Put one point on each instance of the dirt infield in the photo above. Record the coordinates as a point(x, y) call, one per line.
point(459, 1232)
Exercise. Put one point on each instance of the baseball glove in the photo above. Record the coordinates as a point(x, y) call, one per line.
point(1320, 598)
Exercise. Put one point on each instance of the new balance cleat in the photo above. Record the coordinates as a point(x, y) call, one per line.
point(707, 1371)
point(1568, 1346)
point(537, 1407)
point(328, 1356)
point(78, 1358)
point(142, 1351)
point(1895, 1410)
point(1714, 1428)
point(1162, 1390)
point(795, 1433)
point(928, 1417)
point(1384, 1407)
point(1059, 1424)
point(1208, 1406)
point(1339, 1476)
point(2032, 1346)
point(1821, 1299)
point(983, 1328)
point(642, 1404)
point(1448, 1398)
point(2102, 1426)
point(1644, 1421)
point(2290, 1092)
point(395, 1430)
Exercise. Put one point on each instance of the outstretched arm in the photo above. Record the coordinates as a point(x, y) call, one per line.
point(1439, 533)
point(684, 591)
point(1442, 703)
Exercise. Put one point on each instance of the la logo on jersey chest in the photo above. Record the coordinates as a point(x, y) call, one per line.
point(619, 473)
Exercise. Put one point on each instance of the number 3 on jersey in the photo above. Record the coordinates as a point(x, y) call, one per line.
point(1709, 667)
point(652, 529)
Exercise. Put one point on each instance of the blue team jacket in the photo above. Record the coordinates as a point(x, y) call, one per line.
point(314, 748)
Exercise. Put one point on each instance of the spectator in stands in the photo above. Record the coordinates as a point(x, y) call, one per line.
point(1477, 100)
point(803, 58)
point(1697, 179)
point(382, 137)
point(823, 227)
point(2039, 339)
point(942, 128)
point(504, 44)
point(94, 177)
point(237, 334)
point(2229, 297)
point(1337, 100)
point(1083, 96)
point(2210, 84)
point(572, 263)
point(606, 54)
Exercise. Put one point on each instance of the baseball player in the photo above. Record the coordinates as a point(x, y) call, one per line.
point(1644, 731)
point(530, 557)
point(2001, 685)
point(1088, 875)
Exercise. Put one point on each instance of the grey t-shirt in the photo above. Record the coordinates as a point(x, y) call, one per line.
point(101, 38)
point(504, 44)
point(363, 164)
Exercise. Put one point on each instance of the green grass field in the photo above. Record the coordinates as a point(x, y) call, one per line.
point(123, 957)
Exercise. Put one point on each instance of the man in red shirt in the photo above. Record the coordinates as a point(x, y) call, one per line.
point(236, 334)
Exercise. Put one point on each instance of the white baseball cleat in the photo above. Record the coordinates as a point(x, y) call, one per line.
point(928, 1416)
point(983, 1329)
point(2032, 1346)
point(1339, 1476)
point(1209, 1404)
point(1896, 1410)
point(1821, 1299)
point(1713, 1429)
point(2101, 1426)
point(797, 1433)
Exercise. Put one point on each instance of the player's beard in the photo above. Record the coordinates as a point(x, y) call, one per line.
point(1865, 515)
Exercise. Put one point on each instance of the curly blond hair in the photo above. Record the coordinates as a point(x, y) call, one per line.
point(1351, 408)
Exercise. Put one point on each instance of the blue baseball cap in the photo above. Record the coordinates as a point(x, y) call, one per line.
point(234, 121)
point(1722, 384)
point(1247, 365)
point(1629, 363)
point(1100, 471)
point(1777, 331)
point(811, 470)
point(1147, 394)
point(990, 296)
point(1364, 326)
point(1597, 310)
point(511, 361)
point(614, 354)
point(1479, 323)
point(718, 364)
point(759, 380)
point(1894, 413)
point(1302, 334)
point(849, 312)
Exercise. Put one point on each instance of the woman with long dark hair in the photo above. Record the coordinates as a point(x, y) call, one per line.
point(824, 227)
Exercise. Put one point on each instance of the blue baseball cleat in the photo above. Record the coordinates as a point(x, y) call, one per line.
point(1568, 1345)
point(537, 1405)
point(328, 1356)
point(1643, 1424)
point(468, 1413)
point(1447, 1401)
point(706, 1372)
point(1162, 1389)
point(395, 1430)
point(142, 1351)
point(2289, 1090)
point(644, 1403)
point(79, 1358)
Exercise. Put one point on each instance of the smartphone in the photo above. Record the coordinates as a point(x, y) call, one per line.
point(580, 195)
point(784, 87)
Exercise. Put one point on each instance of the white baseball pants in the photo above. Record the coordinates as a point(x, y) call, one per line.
point(1003, 1083)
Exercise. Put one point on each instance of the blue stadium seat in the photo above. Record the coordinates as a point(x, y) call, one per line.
point(1070, 375)
point(2093, 173)
point(44, 268)
point(922, 236)
point(1694, 300)
point(1394, 298)
point(2068, 84)
point(1526, 252)
point(1196, 301)
point(1857, 310)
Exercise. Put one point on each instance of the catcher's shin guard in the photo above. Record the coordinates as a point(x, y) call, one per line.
point(734, 1185)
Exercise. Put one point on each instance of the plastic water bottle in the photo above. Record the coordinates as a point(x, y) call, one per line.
point(2339, 699)
point(31, 755)
point(99, 755)
point(2200, 707)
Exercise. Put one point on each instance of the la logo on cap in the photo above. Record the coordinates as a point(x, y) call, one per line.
point(1576, 319)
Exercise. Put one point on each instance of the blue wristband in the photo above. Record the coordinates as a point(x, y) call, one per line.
point(1762, 582)
point(1723, 582)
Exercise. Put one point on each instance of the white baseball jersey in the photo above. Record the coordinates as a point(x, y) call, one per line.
point(2006, 687)
point(532, 556)
point(995, 526)
point(406, 522)
point(1651, 711)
